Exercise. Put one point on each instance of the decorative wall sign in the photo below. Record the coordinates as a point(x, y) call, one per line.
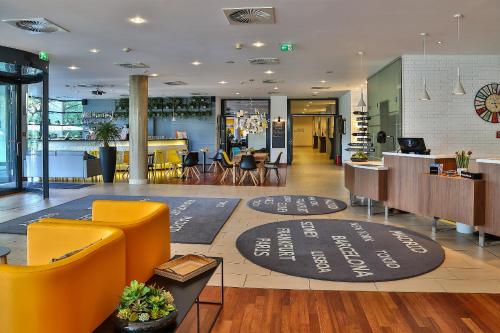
point(487, 103)
point(192, 220)
point(278, 134)
point(297, 205)
point(337, 250)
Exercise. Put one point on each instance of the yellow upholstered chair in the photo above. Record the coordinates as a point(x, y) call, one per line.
point(160, 159)
point(74, 294)
point(147, 232)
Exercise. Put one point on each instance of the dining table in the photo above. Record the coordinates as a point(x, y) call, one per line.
point(260, 159)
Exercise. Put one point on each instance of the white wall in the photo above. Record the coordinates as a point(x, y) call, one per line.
point(447, 122)
point(302, 132)
point(279, 105)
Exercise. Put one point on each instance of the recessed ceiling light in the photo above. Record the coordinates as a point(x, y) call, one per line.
point(258, 44)
point(154, 74)
point(315, 92)
point(126, 49)
point(440, 42)
point(275, 88)
point(237, 93)
point(222, 82)
point(94, 50)
point(196, 63)
point(269, 72)
point(322, 81)
point(137, 20)
point(73, 67)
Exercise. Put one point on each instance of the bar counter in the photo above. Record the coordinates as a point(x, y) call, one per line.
point(121, 145)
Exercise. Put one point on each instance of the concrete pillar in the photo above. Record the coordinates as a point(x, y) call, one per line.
point(138, 129)
point(279, 108)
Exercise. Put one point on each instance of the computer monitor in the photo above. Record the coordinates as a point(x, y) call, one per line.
point(413, 146)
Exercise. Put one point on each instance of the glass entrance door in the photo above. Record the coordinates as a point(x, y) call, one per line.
point(10, 180)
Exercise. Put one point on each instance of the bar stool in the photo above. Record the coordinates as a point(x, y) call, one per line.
point(4, 252)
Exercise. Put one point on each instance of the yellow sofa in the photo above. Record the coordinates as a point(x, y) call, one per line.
point(74, 294)
point(147, 232)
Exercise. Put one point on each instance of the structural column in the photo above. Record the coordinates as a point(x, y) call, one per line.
point(138, 129)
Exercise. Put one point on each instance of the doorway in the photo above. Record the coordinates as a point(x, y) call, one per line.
point(312, 123)
point(10, 139)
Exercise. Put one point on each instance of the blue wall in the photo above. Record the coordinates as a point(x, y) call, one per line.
point(201, 132)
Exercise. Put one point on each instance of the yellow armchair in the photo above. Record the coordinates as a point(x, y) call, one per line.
point(147, 232)
point(74, 294)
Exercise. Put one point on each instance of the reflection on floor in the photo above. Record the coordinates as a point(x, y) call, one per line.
point(209, 178)
point(309, 155)
point(467, 267)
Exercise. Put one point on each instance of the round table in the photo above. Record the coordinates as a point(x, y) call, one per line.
point(4, 252)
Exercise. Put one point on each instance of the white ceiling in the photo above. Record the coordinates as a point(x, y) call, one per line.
point(327, 33)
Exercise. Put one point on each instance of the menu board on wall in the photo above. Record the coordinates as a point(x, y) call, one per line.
point(278, 134)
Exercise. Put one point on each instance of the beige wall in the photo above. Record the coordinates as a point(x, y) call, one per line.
point(302, 132)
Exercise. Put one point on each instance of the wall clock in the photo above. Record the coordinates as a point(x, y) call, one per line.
point(487, 103)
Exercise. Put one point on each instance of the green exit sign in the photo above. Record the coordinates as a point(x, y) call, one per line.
point(286, 47)
point(43, 55)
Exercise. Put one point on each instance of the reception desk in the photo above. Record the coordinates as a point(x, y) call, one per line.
point(407, 189)
point(367, 180)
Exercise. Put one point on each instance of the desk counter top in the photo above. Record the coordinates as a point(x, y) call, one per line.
point(370, 165)
point(488, 160)
point(432, 157)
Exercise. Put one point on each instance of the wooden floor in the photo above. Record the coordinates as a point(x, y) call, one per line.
point(271, 310)
point(209, 178)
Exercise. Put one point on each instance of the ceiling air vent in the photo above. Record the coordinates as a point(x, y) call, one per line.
point(37, 25)
point(320, 88)
point(198, 94)
point(175, 83)
point(273, 92)
point(272, 81)
point(251, 15)
point(264, 61)
point(132, 65)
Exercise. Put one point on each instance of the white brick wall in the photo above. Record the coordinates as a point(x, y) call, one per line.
point(447, 122)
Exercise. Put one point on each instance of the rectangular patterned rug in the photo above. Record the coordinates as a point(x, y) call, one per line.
point(192, 220)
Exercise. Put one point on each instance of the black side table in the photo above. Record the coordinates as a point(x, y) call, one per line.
point(4, 252)
point(186, 295)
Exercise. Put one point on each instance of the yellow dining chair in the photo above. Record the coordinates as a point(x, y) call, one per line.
point(174, 162)
point(74, 294)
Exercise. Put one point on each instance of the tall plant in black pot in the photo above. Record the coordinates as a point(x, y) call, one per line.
point(107, 132)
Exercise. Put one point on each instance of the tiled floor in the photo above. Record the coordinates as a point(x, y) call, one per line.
point(467, 267)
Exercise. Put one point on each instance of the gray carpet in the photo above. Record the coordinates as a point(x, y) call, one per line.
point(337, 250)
point(296, 205)
point(192, 220)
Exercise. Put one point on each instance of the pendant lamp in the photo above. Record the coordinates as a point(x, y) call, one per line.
point(361, 102)
point(459, 87)
point(425, 94)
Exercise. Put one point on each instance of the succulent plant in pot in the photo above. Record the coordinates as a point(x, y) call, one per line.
point(143, 308)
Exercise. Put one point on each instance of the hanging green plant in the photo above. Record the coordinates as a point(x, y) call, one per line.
point(123, 104)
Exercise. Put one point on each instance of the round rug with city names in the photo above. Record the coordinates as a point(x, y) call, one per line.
point(296, 205)
point(340, 250)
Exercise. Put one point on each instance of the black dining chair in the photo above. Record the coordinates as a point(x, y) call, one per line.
point(151, 165)
point(190, 165)
point(274, 166)
point(249, 167)
point(216, 162)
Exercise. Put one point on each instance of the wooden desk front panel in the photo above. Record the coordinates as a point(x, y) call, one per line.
point(406, 189)
point(456, 199)
point(491, 176)
point(366, 182)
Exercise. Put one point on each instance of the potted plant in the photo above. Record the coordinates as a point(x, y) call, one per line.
point(359, 156)
point(145, 308)
point(462, 158)
point(106, 132)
